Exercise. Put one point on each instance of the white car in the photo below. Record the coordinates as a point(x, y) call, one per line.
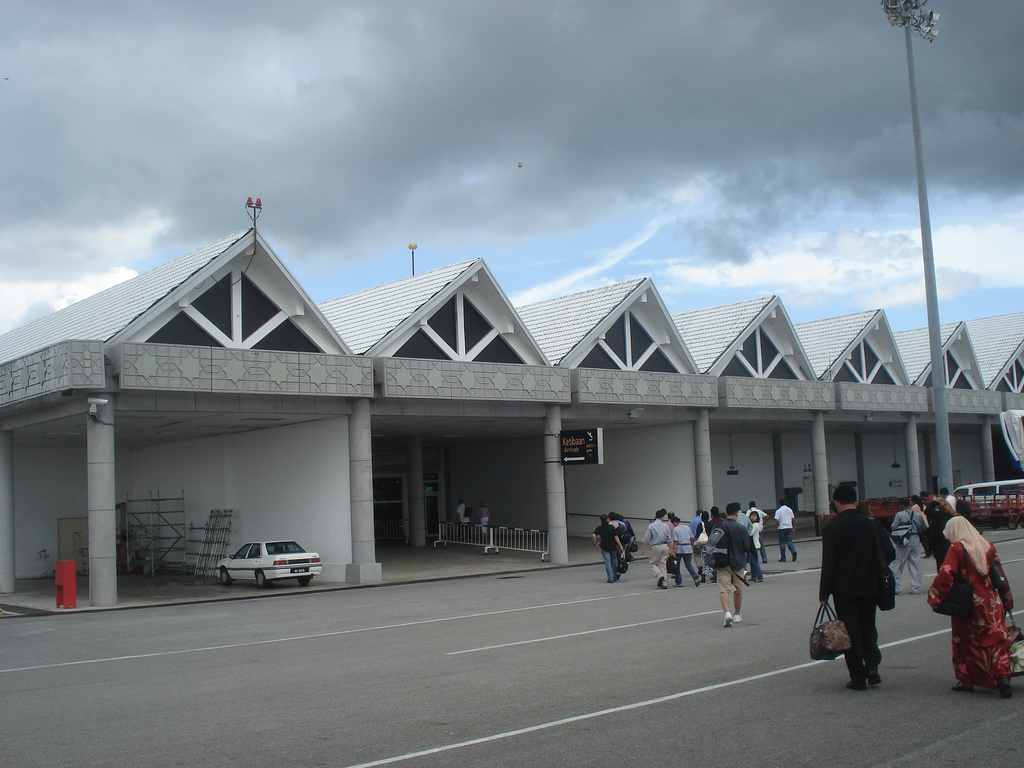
point(267, 561)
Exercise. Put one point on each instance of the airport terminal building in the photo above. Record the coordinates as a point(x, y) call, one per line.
point(214, 382)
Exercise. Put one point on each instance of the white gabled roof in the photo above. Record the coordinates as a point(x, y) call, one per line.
point(716, 335)
point(829, 342)
point(956, 341)
point(998, 343)
point(915, 351)
point(708, 333)
point(560, 324)
point(378, 321)
point(364, 318)
point(102, 315)
point(568, 327)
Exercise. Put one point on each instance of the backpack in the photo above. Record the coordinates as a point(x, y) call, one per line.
point(719, 543)
point(901, 533)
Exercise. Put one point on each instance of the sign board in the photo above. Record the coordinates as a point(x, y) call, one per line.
point(582, 446)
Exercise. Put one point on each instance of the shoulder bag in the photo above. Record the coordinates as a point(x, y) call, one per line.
point(960, 600)
point(886, 581)
point(829, 638)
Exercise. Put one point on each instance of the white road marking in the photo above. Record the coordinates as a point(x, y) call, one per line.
point(612, 711)
point(578, 634)
point(252, 643)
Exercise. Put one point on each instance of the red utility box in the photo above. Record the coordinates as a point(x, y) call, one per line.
point(67, 596)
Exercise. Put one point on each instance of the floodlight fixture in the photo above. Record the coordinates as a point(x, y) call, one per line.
point(912, 15)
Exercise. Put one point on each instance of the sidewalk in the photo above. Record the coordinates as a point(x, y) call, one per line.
point(400, 565)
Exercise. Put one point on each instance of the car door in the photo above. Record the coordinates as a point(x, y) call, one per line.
point(243, 564)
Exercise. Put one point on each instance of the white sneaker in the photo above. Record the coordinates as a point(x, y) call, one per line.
point(728, 619)
point(737, 619)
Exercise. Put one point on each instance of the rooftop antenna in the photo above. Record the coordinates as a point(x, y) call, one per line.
point(412, 253)
point(254, 210)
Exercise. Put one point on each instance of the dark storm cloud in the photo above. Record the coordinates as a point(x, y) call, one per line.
point(359, 122)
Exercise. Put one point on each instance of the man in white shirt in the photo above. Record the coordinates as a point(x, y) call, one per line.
point(784, 517)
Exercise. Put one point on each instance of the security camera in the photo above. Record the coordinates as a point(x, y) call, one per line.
point(93, 402)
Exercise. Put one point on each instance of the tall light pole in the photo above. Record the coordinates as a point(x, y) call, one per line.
point(910, 15)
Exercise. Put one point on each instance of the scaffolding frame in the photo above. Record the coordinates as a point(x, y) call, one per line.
point(154, 534)
point(211, 545)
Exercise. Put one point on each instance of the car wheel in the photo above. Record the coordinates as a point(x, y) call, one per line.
point(225, 577)
point(1013, 522)
point(261, 580)
point(304, 581)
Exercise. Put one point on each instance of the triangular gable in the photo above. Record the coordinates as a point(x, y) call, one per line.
point(999, 345)
point(753, 339)
point(961, 363)
point(242, 298)
point(455, 313)
point(100, 316)
point(624, 326)
point(857, 348)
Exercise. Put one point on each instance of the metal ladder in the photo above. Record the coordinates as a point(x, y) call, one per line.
point(211, 546)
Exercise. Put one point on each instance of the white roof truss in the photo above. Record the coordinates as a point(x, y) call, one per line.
point(636, 335)
point(768, 348)
point(871, 357)
point(245, 298)
point(469, 320)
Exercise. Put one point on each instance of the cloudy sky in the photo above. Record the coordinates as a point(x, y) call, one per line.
point(725, 149)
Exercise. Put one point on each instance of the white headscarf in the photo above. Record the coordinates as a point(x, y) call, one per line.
point(959, 529)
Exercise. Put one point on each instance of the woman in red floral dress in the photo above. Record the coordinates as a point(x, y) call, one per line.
point(981, 643)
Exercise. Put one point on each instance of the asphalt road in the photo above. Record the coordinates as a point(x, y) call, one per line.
point(547, 668)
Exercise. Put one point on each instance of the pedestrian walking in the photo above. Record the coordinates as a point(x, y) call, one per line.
point(656, 539)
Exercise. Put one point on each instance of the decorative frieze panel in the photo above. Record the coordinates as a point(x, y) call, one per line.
point(741, 392)
point(973, 400)
point(1013, 401)
point(447, 380)
point(212, 369)
point(881, 397)
point(593, 385)
point(68, 365)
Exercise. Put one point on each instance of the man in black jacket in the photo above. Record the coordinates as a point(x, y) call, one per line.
point(851, 564)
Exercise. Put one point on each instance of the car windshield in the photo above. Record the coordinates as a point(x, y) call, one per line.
point(283, 548)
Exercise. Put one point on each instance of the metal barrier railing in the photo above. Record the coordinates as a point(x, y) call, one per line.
point(390, 529)
point(494, 538)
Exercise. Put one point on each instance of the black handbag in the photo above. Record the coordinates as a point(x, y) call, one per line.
point(959, 602)
point(886, 581)
point(672, 564)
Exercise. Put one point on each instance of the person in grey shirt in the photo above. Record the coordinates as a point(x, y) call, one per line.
point(657, 537)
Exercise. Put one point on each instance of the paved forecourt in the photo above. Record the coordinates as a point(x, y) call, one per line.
point(546, 668)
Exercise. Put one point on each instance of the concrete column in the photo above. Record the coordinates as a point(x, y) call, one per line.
point(99, 435)
point(6, 512)
point(988, 462)
point(554, 480)
point(858, 454)
point(910, 447)
point(702, 459)
point(414, 482)
point(819, 462)
point(364, 567)
point(780, 476)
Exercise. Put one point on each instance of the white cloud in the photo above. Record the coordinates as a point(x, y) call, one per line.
point(588, 277)
point(25, 301)
point(94, 257)
point(867, 270)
